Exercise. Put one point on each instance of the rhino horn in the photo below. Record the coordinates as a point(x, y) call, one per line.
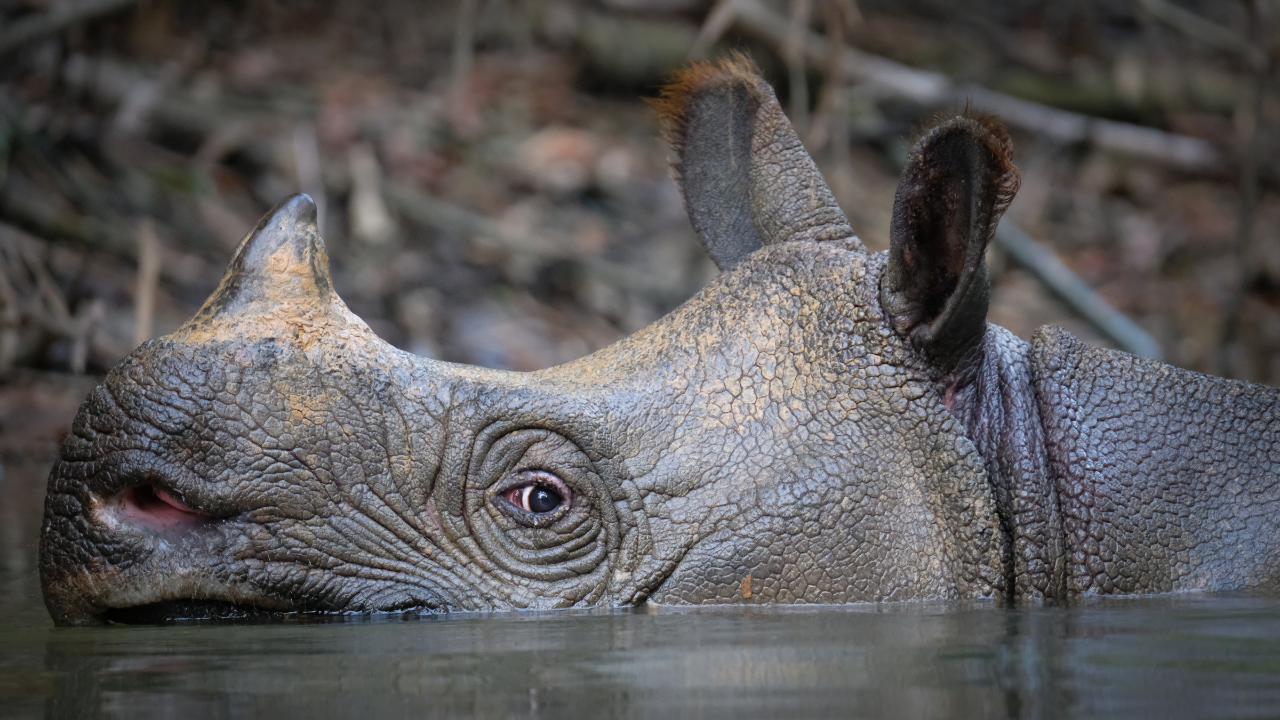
point(277, 285)
point(745, 176)
point(958, 180)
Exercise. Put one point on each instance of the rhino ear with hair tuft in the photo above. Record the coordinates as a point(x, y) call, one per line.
point(958, 181)
point(746, 179)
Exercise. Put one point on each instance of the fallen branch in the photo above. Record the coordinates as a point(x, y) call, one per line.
point(1211, 33)
point(1068, 127)
point(148, 278)
point(55, 305)
point(84, 233)
point(86, 321)
point(10, 318)
point(1046, 266)
point(717, 22)
point(433, 213)
point(794, 56)
point(62, 15)
point(931, 88)
point(37, 296)
point(32, 301)
point(306, 163)
point(430, 212)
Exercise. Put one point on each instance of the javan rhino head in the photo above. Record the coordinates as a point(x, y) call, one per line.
point(818, 425)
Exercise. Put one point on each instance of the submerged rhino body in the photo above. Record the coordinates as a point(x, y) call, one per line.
point(818, 425)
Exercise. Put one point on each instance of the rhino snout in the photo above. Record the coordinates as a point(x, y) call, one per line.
point(131, 533)
point(192, 487)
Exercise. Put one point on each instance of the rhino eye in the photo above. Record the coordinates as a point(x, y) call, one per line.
point(539, 493)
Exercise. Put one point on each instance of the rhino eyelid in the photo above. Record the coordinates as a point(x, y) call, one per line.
point(517, 493)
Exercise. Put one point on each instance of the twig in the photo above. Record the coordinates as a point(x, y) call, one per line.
point(1253, 54)
point(830, 118)
point(63, 14)
point(148, 278)
point(10, 317)
point(45, 307)
point(463, 56)
point(370, 221)
point(713, 28)
point(54, 304)
point(931, 88)
point(793, 55)
point(1206, 31)
point(85, 232)
point(463, 41)
point(1232, 353)
point(135, 109)
point(1068, 127)
point(306, 160)
point(86, 324)
point(433, 213)
point(1044, 264)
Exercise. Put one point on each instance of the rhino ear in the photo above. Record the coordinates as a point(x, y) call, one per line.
point(746, 178)
point(957, 183)
point(277, 284)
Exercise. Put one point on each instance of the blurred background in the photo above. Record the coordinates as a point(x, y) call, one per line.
point(494, 191)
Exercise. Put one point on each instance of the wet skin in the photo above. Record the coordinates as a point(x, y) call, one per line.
point(817, 425)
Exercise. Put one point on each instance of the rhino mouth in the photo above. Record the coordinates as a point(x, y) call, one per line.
point(192, 611)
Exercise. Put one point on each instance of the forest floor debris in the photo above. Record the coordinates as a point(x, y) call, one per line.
point(495, 192)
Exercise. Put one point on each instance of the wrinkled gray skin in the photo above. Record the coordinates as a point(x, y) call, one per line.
point(815, 426)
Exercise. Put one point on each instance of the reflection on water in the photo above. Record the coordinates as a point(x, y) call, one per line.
point(1185, 656)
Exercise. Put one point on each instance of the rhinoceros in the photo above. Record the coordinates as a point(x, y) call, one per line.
point(818, 425)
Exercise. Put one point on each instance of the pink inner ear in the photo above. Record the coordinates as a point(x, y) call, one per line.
point(949, 399)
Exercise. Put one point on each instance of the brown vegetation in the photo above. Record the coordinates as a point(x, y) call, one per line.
point(493, 190)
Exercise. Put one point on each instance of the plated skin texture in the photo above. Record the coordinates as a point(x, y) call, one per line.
point(817, 425)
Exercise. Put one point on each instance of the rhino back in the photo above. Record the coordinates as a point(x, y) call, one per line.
point(1167, 479)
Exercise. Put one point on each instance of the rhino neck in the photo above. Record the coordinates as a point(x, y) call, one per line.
point(993, 396)
point(1167, 478)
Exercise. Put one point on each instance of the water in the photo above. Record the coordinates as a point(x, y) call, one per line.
point(1185, 656)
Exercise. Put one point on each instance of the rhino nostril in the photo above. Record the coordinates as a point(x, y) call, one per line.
point(167, 498)
point(159, 509)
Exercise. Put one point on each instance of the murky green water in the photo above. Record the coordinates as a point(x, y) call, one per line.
point(1188, 656)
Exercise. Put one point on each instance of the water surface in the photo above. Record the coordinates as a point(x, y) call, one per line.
point(1182, 656)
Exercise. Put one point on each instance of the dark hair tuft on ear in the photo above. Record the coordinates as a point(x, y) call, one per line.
point(1004, 175)
point(1000, 144)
